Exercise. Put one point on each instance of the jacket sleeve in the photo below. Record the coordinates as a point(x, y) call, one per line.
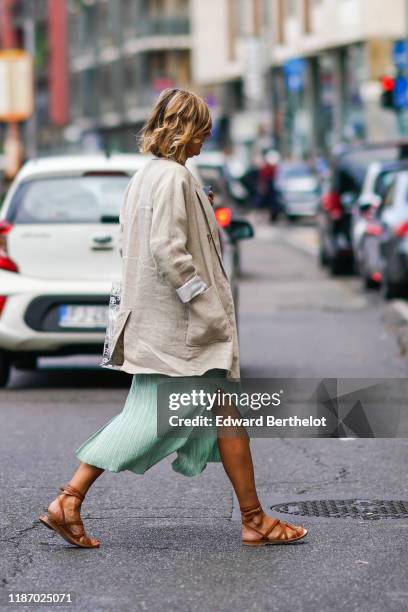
point(168, 237)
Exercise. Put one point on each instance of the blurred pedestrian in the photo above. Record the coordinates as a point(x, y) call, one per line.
point(177, 319)
point(268, 195)
point(250, 181)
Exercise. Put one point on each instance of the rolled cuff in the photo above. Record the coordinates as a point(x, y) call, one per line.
point(191, 288)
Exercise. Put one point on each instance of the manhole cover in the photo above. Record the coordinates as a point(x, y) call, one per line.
point(366, 509)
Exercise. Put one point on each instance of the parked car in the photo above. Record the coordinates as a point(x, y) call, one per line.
point(385, 252)
point(377, 180)
point(212, 167)
point(223, 172)
point(299, 187)
point(348, 167)
point(59, 252)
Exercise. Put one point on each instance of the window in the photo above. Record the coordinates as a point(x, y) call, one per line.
point(129, 80)
point(383, 182)
point(388, 198)
point(245, 17)
point(128, 18)
point(88, 29)
point(291, 8)
point(110, 87)
point(74, 26)
point(75, 98)
point(88, 93)
point(106, 24)
point(83, 199)
point(267, 12)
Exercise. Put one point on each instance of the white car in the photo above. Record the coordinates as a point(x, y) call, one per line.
point(378, 177)
point(300, 189)
point(59, 254)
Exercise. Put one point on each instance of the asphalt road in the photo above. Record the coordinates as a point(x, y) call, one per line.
point(170, 542)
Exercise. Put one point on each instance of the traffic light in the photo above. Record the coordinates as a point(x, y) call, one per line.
point(387, 94)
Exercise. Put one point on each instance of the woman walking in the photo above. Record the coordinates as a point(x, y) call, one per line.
point(176, 319)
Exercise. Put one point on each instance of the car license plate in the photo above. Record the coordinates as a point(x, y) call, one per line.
point(82, 316)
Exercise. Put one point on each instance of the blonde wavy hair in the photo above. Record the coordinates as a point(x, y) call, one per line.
point(178, 117)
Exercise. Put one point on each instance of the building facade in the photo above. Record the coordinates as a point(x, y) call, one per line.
point(306, 72)
point(39, 27)
point(232, 52)
point(122, 54)
point(328, 59)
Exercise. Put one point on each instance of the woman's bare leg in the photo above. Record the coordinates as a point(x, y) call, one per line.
point(84, 477)
point(234, 447)
point(82, 480)
point(237, 461)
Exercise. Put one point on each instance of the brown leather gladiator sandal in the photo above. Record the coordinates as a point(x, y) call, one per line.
point(250, 511)
point(52, 521)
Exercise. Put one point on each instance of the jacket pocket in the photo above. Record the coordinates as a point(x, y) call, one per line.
point(207, 319)
point(115, 348)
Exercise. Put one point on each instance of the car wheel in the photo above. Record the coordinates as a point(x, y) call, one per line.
point(5, 367)
point(292, 218)
point(336, 266)
point(367, 281)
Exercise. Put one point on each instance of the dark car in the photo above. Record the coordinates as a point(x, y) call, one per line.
point(385, 253)
point(213, 173)
point(348, 167)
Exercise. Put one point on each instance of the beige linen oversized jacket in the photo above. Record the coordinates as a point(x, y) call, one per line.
point(177, 313)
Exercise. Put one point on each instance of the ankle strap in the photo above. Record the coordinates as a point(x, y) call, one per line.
point(248, 511)
point(70, 490)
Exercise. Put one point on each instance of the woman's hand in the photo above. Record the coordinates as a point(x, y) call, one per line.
point(211, 197)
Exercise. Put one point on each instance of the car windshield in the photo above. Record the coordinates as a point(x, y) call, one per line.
point(212, 176)
point(295, 171)
point(84, 199)
point(383, 182)
point(364, 157)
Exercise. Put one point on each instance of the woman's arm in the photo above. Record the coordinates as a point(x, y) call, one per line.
point(168, 237)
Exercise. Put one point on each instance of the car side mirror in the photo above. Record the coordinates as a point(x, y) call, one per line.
point(239, 229)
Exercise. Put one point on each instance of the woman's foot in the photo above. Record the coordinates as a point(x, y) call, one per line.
point(258, 528)
point(64, 517)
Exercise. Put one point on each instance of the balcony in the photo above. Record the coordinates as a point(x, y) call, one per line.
point(163, 26)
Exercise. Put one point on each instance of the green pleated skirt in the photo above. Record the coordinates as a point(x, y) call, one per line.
point(129, 440)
